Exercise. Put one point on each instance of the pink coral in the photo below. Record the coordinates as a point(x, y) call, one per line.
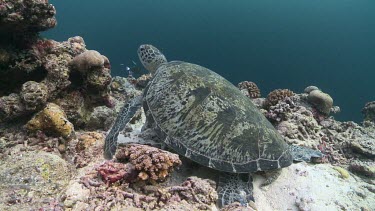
point(112, 172)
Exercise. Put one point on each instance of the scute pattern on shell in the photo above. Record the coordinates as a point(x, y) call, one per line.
point(276, 95)
point(250, 89)
point(202, 116)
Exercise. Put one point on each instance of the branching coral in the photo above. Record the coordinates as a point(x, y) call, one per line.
point(276, 95)
point(250, 89)
point(152, 163)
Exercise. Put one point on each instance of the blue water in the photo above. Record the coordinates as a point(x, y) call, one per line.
point(277, 44)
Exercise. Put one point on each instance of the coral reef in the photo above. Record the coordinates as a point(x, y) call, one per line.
point(51, 120)
point(276, 95)
point(26, 15)
point(250, 89)
point(152, 163)
point(322, 101)
point(369, 111)
point(35, 71)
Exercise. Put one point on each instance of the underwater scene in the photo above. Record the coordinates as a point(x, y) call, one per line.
point(187, 105)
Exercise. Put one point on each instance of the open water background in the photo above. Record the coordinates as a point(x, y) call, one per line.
point(276, 44)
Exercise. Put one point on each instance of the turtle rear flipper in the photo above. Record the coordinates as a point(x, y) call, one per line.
point(232, 188)
point(124, 116)
point(300, 153)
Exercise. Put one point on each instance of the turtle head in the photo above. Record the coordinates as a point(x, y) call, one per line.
point(151, 57)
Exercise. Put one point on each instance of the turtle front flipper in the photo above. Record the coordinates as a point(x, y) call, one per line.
point(234, 188)
point(124, 116)
point(300, 153)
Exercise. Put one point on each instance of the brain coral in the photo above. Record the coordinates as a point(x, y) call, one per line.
point(276, 95)
point(250, 89)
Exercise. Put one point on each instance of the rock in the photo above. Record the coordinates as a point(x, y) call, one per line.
point(364, 145)
point(34, 95)
point(34, 179)
point(51, 120)
point(363, 168)
point(102, 117)
point(73, 104)
point(321, 101)
point(369, 111)
point(11, 107)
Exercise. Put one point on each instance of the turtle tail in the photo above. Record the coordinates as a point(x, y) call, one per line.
point(124, 116)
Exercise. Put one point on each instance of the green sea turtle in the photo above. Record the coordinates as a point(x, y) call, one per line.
point(202, 116)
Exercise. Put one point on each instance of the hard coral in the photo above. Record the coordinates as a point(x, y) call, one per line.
point(276, 95)
point(88, 61)
point(152, 163)
point(249, 88)
point(321, 101)
point(51, 120)
point(27, 15)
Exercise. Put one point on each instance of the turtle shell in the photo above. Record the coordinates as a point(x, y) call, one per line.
point(205, 118)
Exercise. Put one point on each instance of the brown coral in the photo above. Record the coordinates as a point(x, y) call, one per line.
point(152, 163)
point(250, 89)
point(276, 95)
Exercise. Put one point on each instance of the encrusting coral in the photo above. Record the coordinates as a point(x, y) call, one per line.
point(152, 163)
point(250, 89)
point(51, 120)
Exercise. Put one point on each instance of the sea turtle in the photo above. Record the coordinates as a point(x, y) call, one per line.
point(202, 116)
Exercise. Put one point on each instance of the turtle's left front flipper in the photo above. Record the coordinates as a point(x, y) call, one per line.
point(300, 153)
point(124, 116)
point(233, 188)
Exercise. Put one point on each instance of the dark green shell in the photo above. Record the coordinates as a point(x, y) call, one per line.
point(202, 116)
